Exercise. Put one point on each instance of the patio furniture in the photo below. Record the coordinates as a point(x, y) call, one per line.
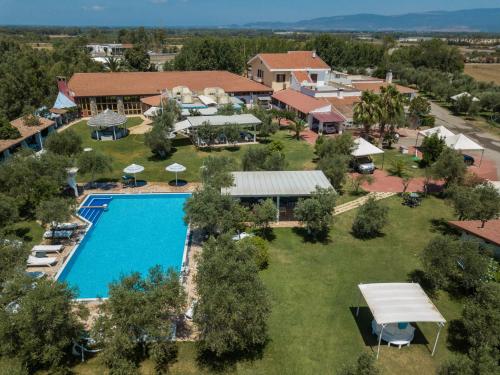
point(133, 169)
point(57, 234)
point(47, 249)
point(41, 262)
point(176, 168)
point(66, 226)
point(394, 335)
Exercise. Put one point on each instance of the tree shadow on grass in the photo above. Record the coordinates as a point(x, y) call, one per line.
point(266, 233)
point(441, 226)
point(419, 276)
point(306, 237)
point(227, 363)
point(456, 340)
point(21, 233)
point(364, 323)
point(367, 238)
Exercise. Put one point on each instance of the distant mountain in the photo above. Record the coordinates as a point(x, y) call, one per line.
point(473, 20)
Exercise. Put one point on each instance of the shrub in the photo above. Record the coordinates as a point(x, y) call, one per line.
point(259, 249)
point(264, 213)
point(66, 143)
point(335, 168)
point(370, 219)
point(7, 131)
point(316, 212)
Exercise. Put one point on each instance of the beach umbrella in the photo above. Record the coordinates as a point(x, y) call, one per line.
point(175, 168)
point(133, 169)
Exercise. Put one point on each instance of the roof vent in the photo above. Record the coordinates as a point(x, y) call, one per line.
point(314, 54)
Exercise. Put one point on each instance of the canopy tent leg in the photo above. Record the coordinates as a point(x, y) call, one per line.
point(114, 133)
point(437, 338)
point(380, 339)
point(480, 161)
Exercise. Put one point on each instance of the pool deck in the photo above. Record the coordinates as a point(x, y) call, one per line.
point(186, 330)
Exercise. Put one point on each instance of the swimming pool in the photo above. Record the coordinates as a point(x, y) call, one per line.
point(134, 233)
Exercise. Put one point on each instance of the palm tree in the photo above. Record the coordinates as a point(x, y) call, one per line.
point(391, 107)
point(298, 126)
point(113, 64)
point(367, 111)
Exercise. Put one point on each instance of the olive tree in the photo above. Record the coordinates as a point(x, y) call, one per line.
point(53, 211)
point(316, 212)
point(233, 304)
point(370, 219)
point(216, 171)
point(264, 213)
point(8, 210)
point(93, 163)
point(449, 166)
point(67, 143)
point(481, 202)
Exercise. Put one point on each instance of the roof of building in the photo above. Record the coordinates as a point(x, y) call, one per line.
point(152, 83)
point(217, 120)
point(399, 302)
point(345, 105)
point(292, 60)
point(490, 232)
point(25, 130)
point(63, 102)
point(364, 148)
point(441, 131)
point(276, 183)
point(377, 86)
point(153, 101)
point(302, 76)
point(329, 117)
point(301, 102)
point(107, 119)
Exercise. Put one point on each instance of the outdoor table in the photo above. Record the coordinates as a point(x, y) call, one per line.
point(392, 334)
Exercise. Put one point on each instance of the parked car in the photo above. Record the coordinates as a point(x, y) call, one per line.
point(363, 164)
point(468, 160)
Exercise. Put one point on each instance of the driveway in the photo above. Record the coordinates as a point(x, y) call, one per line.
point(456, 124)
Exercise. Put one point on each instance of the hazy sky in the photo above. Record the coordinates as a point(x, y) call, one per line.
point(206, 12)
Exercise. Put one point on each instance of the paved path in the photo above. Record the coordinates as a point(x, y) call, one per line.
point(456, 124)
point(361, 201)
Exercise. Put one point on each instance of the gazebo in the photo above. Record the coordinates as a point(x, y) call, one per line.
point(365, 148)
point(395, 303)
point(108, 125)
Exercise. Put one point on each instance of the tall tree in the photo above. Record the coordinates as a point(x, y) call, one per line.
point(370, 219)
point(449, 166)
point(233, 305)
point(367, 112)
point(67, 143)
point(53, 211)
point(392, 108)
point(316, 212)
point(216, 171)
point(137, 58)
point(93, 163)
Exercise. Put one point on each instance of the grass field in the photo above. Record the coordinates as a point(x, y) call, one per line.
point(313, 289)
point(484, 72)
point(132, 149)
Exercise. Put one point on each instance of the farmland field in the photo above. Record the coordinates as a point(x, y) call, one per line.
point(484, 72)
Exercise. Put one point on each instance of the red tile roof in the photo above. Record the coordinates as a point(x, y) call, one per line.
point(293, 60)
point(301, 102)
point(25, 130)
point(151, 83)
point(302, 76)
point(376, 87)
point(153, 101)
point(490, 232)
point(329, 117)
point(345, 105)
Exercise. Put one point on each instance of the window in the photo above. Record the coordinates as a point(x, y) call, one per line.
point(314, 77)
point(260, 73)
point(280, 77)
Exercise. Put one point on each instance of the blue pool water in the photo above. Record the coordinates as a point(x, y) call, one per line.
point(135, 233)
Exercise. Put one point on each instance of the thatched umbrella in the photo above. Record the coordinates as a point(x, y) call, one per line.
point(105, 120)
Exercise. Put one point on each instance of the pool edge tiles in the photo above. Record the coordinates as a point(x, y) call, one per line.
point(166, 247)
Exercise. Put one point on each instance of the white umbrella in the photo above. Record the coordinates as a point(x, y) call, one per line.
point(133, 169)
point(175, 168)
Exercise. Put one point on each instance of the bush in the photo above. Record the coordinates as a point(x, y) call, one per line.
point(8, 210)
point(316, 212)
point(66, 143)
point(370, 219)
point(263, 158)
point(365, 365)
point(163, 354)
point(259, 249)
point(264, 213)
point(335, 168)
point(450, 166)
point(7, 131)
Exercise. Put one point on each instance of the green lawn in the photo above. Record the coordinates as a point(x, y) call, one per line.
point(29, 231)
point(390, 156)
point(313, 289)
point(131, 149)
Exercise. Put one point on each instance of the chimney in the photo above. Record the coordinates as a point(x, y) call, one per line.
point(388, 76)
point(314, 54)
point(62, 85)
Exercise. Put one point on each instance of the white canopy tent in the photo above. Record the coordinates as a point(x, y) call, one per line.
point(400, 302)
point(175, 168)
point(133, 169)
point(461, 142)
point(458, 96)
point(365, 148)
point(207, 100)
point(441, 131)
point(152, 112)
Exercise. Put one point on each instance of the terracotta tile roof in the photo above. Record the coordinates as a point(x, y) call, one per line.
point(345, 105)
point(151, 83)
point(302, 76)
point(490, 232)
point(293, 60)
point(301, 102)
point(329, 117)
point(26, 131)
point(153, 101)
point(376, 87)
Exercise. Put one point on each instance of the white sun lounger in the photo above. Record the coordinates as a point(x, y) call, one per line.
point(47, 248)
point(66, 226)
point(58, 234)
point(241, 236)
point(40, 262)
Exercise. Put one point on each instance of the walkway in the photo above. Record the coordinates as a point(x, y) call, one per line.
point(361, 201)
point(383, 182)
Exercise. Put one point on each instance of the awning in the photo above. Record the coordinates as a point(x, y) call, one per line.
point(207, 100)
point(328, 117)
point(182, 125)
point(151, 112)
point(264, 98)
point(210, 111)
point(62, 102)
point(364, 148)
point(399, 302)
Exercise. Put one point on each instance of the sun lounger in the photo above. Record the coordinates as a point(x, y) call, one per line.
point(241, 236)
point(58, 234)
point(47, 248)
point(66, 226)
point(40, 262)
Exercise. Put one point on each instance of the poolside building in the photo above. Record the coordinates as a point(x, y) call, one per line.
point(122, 91)
point(284, 187)
point(32, 136)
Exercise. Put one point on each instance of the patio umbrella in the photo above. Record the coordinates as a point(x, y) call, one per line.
point(133, 169)
point(175, 168)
